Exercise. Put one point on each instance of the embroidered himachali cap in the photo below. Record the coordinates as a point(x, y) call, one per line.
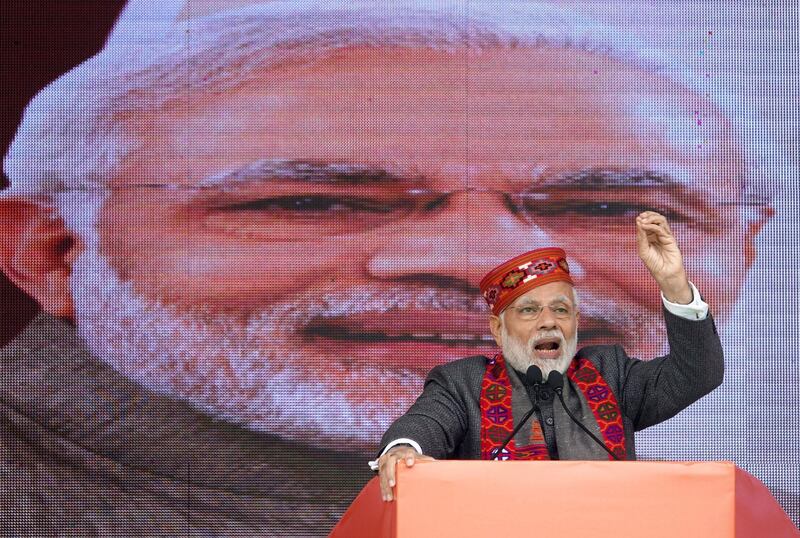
point(521, 274)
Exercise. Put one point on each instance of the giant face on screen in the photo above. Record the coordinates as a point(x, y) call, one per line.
point(284, 224)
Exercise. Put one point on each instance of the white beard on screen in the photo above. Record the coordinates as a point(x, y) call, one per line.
point(521, 356)
point(242, 369)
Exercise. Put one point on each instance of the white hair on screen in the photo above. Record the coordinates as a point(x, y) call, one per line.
point(73, 136)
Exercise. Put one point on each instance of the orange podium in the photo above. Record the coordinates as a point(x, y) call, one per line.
point(568, 498)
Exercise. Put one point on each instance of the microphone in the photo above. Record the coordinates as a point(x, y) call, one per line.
point(534, 378)
point(555, 380)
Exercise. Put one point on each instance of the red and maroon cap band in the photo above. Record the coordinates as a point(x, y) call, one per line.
point(521, 274)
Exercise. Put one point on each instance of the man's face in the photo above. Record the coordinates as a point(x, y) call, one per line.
point(330, 221)
point(539, 328)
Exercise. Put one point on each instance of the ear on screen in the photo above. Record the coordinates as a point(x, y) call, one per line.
point(755, 219)
point(37, 252)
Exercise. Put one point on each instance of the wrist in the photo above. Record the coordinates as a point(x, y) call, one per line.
point(402, 446)
point(676, 289)
point(404, 442)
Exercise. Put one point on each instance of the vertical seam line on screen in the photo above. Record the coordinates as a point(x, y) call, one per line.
point(188, 496)
point(468, 170)
point(189, 65)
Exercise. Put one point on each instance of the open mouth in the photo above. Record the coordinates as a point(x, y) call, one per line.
point(421, 339)
point(547, 348)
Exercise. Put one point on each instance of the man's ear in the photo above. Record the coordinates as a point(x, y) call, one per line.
point(496, 325)
point(37, 253)
point(757, 218)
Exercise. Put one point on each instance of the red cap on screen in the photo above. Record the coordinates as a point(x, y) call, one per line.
point(521, 274)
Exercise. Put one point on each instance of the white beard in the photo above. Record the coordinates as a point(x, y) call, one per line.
point(521, 356)
point(246, 370)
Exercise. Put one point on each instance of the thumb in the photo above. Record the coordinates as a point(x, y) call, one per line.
point(641, 239)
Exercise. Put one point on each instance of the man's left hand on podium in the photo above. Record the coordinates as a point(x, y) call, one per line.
point(387, 465)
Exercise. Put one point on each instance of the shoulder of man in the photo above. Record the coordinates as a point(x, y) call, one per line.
point(460, 367)
point(608, 359)
point(598, 352)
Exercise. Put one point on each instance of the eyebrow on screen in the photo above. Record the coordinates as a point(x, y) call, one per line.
point(332, 173)
point(599, 178)
point(310, 172)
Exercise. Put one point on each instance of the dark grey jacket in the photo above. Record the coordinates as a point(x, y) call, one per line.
point(446, 419)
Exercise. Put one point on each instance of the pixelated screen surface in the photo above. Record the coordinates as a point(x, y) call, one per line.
point(264, 222)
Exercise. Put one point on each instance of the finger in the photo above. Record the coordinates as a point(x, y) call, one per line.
point(383, 478)
point(659, 219)
point(653, 226)
point(641, 238)
point(651, 219)
point(656, 229)
point(387, 477)
point(384, 486)
point(643, 217)
point(653, 223)
point(390, 473)
point(650, 215)
point(408, 456)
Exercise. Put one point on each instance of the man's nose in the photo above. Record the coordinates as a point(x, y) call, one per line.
point(472, 234)
point(546, 320)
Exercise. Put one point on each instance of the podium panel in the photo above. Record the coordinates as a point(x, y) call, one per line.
point(570, 498)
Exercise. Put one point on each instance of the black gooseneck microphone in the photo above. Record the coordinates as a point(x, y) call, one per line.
point(534, 378)
point(555, 380)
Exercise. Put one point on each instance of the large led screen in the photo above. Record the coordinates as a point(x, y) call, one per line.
point(252, 227)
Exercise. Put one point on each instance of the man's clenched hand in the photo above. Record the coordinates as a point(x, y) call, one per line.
point(387, 463)
point(660, 253)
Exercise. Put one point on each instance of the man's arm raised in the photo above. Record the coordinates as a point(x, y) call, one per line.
point(657, 389)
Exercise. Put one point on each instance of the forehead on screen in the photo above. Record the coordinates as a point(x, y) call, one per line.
point(225, 50)
point(522, 99)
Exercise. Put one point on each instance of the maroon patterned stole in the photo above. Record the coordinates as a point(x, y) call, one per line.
point(497, 421)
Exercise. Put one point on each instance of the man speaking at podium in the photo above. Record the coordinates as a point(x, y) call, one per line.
point(583, 406)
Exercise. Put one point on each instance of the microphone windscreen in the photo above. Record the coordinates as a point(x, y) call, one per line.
point(555, 379)
point(534, 375)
